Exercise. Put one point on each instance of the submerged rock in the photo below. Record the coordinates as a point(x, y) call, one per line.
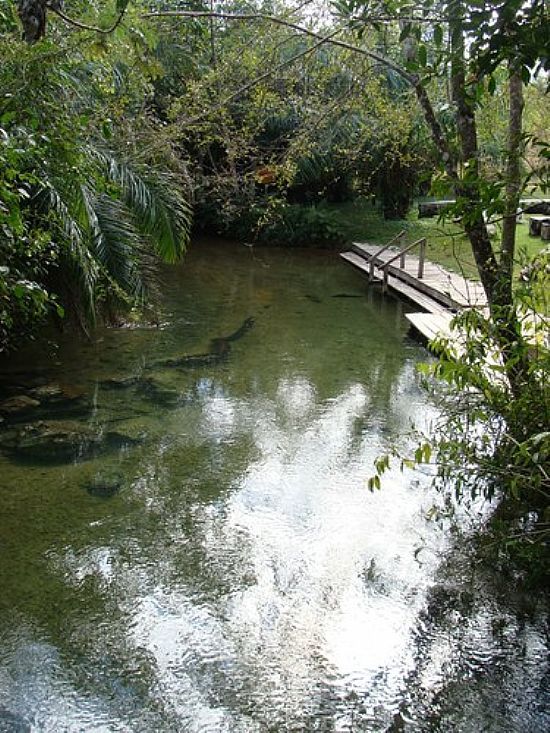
point(18, 404)
point(12, 723)
point(120, 383)
point(105, 484)
point(46, 402)
point(61, 441)
point(159, 394)
point(48, 392)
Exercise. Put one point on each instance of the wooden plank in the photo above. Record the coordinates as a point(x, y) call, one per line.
point(450, 289)
point(436, 321)
point(402, 288)
point(431, 325)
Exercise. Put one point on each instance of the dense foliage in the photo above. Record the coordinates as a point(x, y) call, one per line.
point(493, 440)
point(107, 134)
point(91, 192)
point(268, 118)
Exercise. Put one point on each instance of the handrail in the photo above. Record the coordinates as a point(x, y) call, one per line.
point(381, 250)
point(401, 256)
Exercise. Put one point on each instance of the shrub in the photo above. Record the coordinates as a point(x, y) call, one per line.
point(293, 225)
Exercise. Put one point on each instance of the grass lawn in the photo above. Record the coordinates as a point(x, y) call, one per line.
point(446, 245)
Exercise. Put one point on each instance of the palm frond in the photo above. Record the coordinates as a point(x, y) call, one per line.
point(81, 265)
point(121, 249)
point(157, 201)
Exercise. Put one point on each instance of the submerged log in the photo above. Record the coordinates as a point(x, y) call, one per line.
point(105, 484)
point(18, 404)
point(12, 722)
point(62, 441)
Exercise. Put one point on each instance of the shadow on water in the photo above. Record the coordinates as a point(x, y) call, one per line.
point(190, 546)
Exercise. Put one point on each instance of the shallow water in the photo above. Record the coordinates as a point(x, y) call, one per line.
point(212, 560)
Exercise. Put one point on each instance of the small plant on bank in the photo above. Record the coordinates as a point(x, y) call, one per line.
point(490, 443)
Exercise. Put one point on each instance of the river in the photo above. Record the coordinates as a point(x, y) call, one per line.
point(189, 544)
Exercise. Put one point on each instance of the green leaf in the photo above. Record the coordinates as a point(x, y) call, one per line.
point(405, 32)
point(438, 35)
point(422, 55)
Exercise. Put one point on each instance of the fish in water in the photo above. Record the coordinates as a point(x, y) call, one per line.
point(347, 295)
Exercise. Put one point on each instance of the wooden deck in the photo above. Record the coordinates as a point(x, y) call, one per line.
point(440, 294)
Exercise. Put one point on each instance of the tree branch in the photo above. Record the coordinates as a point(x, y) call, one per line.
point(261, 78)
point(84, 26)
point(288, 24)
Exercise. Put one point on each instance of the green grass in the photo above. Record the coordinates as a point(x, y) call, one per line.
point(446, 244)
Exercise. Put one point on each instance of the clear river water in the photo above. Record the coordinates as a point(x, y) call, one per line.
point(188, 543)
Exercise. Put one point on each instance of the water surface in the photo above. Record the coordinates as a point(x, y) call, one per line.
point(214, 562)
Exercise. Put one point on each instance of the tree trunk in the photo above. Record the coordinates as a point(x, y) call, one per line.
point(467, 186)
point(513, 173)
point(496, 277)
point(32, 14)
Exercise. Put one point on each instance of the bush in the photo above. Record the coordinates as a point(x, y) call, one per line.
point(292, 225)
point(271, 221)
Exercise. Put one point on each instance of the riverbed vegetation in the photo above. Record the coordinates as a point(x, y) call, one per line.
point(123, 125)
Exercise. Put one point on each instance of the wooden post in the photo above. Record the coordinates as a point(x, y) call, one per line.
point(545, 231)
point(421, 257)
point(402, 261)
point(385, 280)
point(381, 250)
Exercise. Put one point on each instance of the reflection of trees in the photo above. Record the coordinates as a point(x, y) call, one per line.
point(152, 534)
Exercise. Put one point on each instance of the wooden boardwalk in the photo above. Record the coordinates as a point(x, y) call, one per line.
point(439, 293)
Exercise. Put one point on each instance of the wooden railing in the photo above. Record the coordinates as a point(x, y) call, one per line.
point(383, 249)
point(401, 256)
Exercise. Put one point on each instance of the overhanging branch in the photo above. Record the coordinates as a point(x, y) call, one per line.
point(288, 24)
point(84, 26)
point(265, 75)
